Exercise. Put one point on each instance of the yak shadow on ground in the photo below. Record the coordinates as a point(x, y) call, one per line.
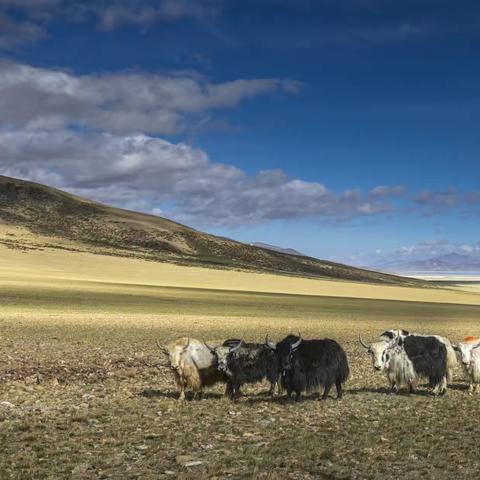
point(458, 386)
point(249, 399)
point(422, 391)
point(283, 399)
point(189, 396)
point(264, 396)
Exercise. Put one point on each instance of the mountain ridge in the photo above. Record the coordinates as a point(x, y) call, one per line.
point(49, 212)
point(276, 248)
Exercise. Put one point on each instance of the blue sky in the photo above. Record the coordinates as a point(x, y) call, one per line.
point(345, 129)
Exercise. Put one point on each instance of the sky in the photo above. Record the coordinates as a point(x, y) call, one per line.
point(346, 129)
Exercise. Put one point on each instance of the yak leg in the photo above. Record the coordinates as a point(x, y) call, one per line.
point(440, 388)
point(180, 382)
point(443, 386)
point(298, 395)
point(271, 392)
point(326, 391)
point(471, 387)
point(393, 386)
point(412, 385)
point(393, 383)
point(235, 393)
point(338, 385)
point(182, 392)
point(228, 390)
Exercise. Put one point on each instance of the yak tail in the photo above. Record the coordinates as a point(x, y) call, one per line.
point(343, 368)
point(451, 362)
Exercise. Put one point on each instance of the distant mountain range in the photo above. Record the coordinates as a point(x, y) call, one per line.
point(451, 262)
point(289, 251)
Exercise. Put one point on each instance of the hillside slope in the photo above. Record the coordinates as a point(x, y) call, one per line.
point(61, 220)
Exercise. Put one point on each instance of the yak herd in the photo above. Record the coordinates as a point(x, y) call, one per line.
point(295, 365)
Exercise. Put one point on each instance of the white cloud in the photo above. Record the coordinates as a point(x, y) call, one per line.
point(126, 102)
point(435, 202)
point(112, 14)
point(154, 175)
point(15, 33)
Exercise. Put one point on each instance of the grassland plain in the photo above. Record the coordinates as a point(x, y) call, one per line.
point(84, 393)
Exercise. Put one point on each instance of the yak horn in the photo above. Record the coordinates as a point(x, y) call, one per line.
point(162, 348)
point(236, 347)
point(212, 350)
point(296, 344)
point(365, 345)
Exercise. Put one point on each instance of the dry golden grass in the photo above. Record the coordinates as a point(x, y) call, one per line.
point(84, 393)
point(50, 266)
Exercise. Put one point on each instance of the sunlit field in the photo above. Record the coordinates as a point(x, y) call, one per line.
point(85, 393)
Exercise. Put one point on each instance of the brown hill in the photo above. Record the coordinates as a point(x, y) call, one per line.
point(68, 221)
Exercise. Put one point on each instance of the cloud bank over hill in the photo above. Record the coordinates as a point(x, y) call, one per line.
point(152, 174)
point(101, 136)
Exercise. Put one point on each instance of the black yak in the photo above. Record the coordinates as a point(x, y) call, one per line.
point(246, 363)
point(307, 364)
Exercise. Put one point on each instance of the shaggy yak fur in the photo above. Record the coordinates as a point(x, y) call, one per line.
point(406, 359)
point(308, 364)
point(428, 356)
point(193, 366)
point(469, 351)
point(247, 363)
point(451, 355)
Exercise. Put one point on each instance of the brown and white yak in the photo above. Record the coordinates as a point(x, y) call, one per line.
point(193, 366)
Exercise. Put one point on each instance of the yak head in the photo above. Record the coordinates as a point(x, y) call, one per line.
point(467, 348)
point(394, 335)
point(175, 351)
point(287, 351)
point(380, 352)
point(223, 353)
